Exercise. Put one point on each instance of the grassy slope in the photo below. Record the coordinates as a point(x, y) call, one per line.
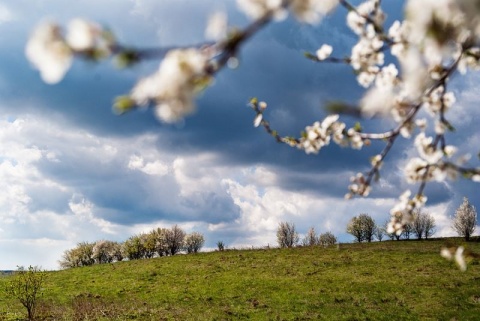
point(378, 281)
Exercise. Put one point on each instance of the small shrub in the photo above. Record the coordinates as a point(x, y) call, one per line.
point(193, 242)
point(327, 239)
point(25, 285)
point(287, 235)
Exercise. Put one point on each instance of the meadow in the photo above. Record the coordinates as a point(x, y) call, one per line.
point(389, 280)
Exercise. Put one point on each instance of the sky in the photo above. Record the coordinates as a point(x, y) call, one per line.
point(73, 171)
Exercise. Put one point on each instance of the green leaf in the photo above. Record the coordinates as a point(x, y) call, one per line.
point(123, 104)
point(310, 56)
point(339, 107)
point(357, 127)
point(127, 58)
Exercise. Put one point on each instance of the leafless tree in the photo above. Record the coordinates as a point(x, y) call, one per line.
point(465, 219)
point(418, 223)
point(287, 236)
point(310, 238)
point(430, 226)
point(379, 232)
point(408, 230)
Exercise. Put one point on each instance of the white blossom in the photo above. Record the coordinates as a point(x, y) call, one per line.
point(426, 149)
point(258, 8)
point(82, 34)
point(455, 254)
point(310, 11)
point(449, 150)
point(217, 26)
point(48, 52)
point(180, 77)
point(258, 120)
point(319, 134)
point(387, 77)
point(356, 140)
point(415, 74)
point(415, 170)
point(324, 52)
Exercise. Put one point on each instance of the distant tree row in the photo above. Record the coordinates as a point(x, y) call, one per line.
point(287, 236)
point(364, 229)
point(158, 242)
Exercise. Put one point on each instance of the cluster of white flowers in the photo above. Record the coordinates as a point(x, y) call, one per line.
point(217, 26)
point(49, 53)
point(401, 213)
point(439, 101)
point(256, 9)
point(309, 11)
point(358, 186)
point(52, 53)
point(319, 134)
point(367, 54)
point(181, 76)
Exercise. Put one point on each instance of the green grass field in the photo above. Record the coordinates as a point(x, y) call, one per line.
point(405, 280)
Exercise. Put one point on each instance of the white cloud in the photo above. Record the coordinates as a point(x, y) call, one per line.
point(150, 168)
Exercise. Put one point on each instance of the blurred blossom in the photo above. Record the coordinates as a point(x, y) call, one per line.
point(217, 26)
point(181, 75)
point(82, 34)
point(48, 52)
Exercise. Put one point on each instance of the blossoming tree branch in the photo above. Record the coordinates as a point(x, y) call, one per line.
point(437, 40)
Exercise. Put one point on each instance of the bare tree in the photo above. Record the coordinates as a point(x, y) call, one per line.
point(287, 236)
point(362, 227)
point(379, 233)
point(430, 226)
point(310, 238)
point(174, 238)
point(327, 239)
point(194, 242)
point(408, 230)
point(465, 219)
point(221, 246)
point(418, 223)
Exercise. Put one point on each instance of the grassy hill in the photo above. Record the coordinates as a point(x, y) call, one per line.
point(405, 280)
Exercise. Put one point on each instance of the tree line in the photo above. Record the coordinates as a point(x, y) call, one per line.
point(287, 236)
point(364, 229)
point(156, 243)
